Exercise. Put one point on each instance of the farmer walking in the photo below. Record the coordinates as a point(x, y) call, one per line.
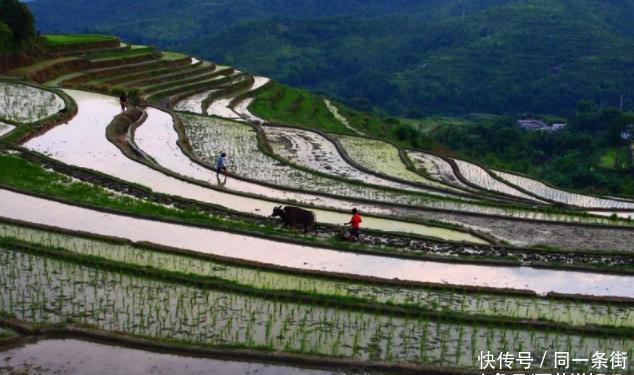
point(355, 225)
point(220, 165)
point(123, 100)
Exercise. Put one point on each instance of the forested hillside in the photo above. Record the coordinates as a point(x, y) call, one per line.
point(407, 57)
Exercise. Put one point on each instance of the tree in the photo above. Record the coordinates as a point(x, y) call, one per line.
point(6, 38)
point(19, 19)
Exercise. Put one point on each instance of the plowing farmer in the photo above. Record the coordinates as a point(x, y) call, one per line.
point(123, 100)
point(355, 225)
point(220, 165)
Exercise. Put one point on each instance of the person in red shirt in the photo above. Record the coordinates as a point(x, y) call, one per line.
point(355, 227)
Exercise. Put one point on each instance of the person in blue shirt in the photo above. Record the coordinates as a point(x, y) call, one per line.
point(220, 165)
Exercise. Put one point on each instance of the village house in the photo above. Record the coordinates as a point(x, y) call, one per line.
point(532, 124)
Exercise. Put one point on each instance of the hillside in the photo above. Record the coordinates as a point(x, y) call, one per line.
point(408, 58)
point(119, 224)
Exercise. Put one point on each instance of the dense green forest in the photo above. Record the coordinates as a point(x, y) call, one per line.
point(589, 154)
point(16, 25)
point(408, 58)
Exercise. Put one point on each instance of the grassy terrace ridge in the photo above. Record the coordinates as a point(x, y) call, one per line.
point(181, 79)
point(29, 177)
point(469, 304)
point(63, 39)
point(102, 75)
point(209, 83)
point(155, 69)
point(287, 105)
point(117, 54)
point(43, 64)
point(26, 176)
point(160, 76)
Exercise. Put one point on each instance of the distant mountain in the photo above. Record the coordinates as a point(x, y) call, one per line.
point(406, 57)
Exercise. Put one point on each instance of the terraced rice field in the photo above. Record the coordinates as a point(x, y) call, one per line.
point(382, 158)
point(116, 227)
point(58, 291)
point(311, 150)
point(209, 137)
point(437, 299)
point(76, 356)
point(480, 177)
point(5, 128)
point(23, 103)
point(436, 167)
point(540, 189)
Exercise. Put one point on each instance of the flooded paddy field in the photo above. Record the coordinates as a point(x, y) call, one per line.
point(480, 177)
point(23, 103)
point(202, 265)
point(83, 143)
point(437, 167)
point(72, 356)
point(36, 289)
point(542, 281)
point(311, 150)
point(211, 136)
point(5, 128)
point(438, 299)
point(579, 200)
point(381, 157)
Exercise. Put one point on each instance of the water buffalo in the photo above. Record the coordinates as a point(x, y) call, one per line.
point(295, 216)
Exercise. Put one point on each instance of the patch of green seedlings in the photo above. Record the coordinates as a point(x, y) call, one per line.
point(209, 136)
point(381, 157)
point(23, 103)
point(43, 290)
point(447, 301)
point(64, 39)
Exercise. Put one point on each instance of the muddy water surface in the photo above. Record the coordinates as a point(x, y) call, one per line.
point(36, 210)
point(83, 357)
point(82, 142)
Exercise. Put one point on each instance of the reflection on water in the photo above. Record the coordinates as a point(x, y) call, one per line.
point(542, 281)
point(82, 142)
point(83, 357)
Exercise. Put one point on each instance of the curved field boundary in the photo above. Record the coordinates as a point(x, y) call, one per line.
point(525, 219)
point(185, 148)
point(175, 99)
point(493, 175)
point(302, 257)
point(24, 132)
point(26, 103)
point(402, 160)
point(184, 79)
point(239, 83)
point(475, 253)
point(467, 213)
point(571, 206)
point(250, 93)
point(351, 301)
point(142, 67)
point(48, 69)
point(170, 74)
point(86, 51)
point(418, 160)
point(132, 74)
point(177, 90)
point(120, 281)
point(346, 157)
point(475, 290)
point(93, 45)
point(70, 331)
